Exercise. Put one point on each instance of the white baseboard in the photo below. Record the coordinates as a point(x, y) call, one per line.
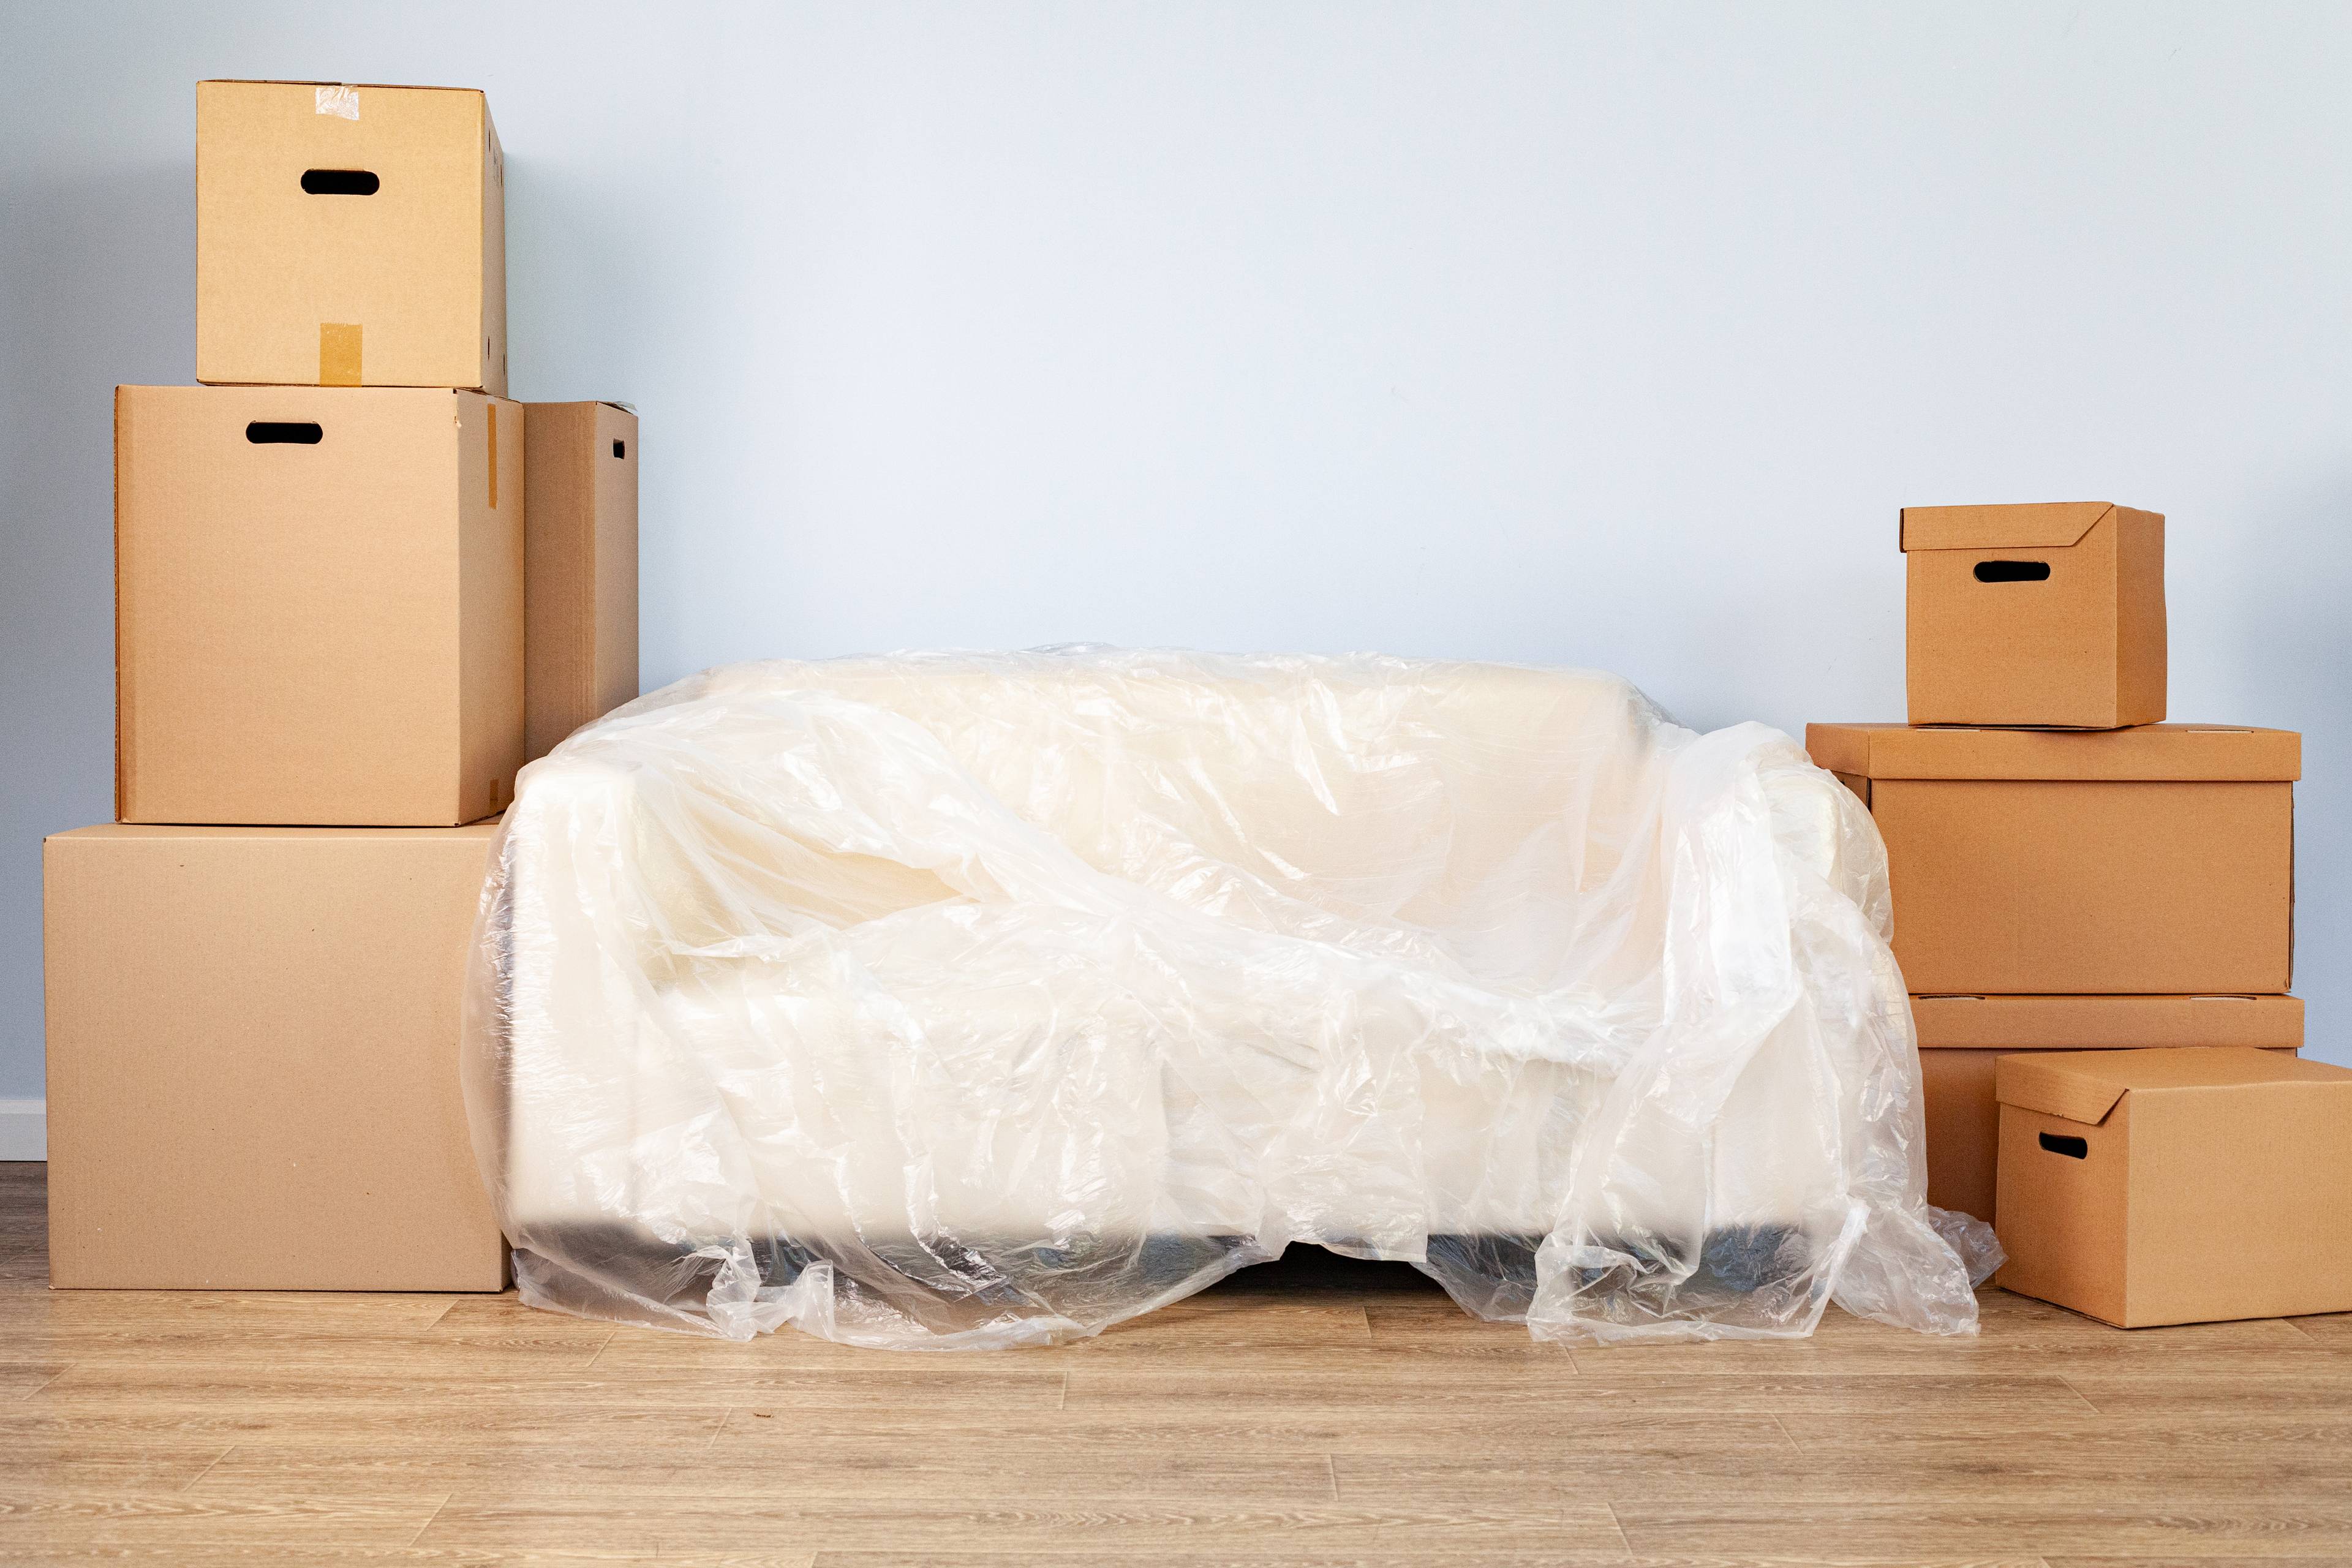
point(23, 1129)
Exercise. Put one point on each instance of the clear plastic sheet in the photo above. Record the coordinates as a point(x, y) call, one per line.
point(961, 1001)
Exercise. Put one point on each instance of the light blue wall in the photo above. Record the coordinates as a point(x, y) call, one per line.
point(1606, 335)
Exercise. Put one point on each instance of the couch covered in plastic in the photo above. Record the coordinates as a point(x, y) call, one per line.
point(968, 1001)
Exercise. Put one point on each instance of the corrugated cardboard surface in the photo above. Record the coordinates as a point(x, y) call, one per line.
point(2215, 1183)
point(317, 633)
point(411, 280)
point(2103, 1023)
point(253, 1075)
point(2090, 888)
point(1961, 1038)
point(2155, 861)
point(583, 595)
point(2157, 752)
point(2085, 647)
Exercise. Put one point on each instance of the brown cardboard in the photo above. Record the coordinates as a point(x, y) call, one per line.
point(2082, 647)
point(2161, 753)
point(322, 632)
point(2150, 861)
point(2176, 1186)
point(1961, 1038)
point(582, 571)
point(252, 1077)
point(403, 286)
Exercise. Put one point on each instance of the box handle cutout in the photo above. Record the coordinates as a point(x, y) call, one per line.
point(620, 449)
point(283, 432)
point(2072, 1148)
point(2013, 571)
point(341, 181)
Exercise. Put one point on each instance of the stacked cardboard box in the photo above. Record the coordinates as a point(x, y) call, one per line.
point(2069, 871)
point(2176, 1186)
point(356, 589)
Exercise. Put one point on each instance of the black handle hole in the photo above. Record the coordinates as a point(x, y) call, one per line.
point(281, 433)
point(340, 181)
point(2013, 571)
point(2072, 1148)
point(620, 449)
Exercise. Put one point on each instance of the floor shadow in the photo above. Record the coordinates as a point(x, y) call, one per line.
point(1307, 1270)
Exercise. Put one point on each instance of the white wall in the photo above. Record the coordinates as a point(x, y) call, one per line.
point(1603, 335)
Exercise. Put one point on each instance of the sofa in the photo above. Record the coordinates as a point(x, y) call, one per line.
point(973, 1001)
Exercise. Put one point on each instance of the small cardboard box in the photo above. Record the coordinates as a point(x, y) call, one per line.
point(1961, 1038)
point(2151, 861)
point(319, 604)
point(2176, 1186)
point(583, 591)
point(253, 1071)
point(349, 236)
point(2035, 615)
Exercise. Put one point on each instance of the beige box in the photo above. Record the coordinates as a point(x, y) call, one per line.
point(2050, 614)
point(582, 572)
point(349, 236)
point(2149, 861)
point(1961, 1039)
point(2176, 1186)
point(319, 604)
point(253, 1078)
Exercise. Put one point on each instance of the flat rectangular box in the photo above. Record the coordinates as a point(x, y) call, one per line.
point(349, 236)
point(319, 604)
point(253, 1079)
point(2153, 861)
point(2176, 1186)
point(1961, 1038)
point(583, 566)
point(2049, 615)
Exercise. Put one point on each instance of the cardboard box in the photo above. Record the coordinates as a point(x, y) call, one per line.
point(253, 1074)
point(582, 589)
point(349, 236)
point(2176, 1186)
point(319, 604)
point(2156, 861)
point(1961, 1038)
point(2035, 615)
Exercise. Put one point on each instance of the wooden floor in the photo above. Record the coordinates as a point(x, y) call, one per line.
point(1311, 1412)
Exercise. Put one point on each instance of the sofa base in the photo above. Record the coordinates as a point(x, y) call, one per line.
point(949, 1285)
point(1732, 1261)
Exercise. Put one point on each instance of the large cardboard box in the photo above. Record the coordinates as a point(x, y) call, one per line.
point(349, 236)
point(253, 1073)
point(1962, 1037)
point(583, 591)
point(319, 604)
point(2035, 615)
point(2153, 861)
point(2176, 1186)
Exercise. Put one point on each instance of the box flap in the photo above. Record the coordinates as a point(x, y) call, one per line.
point(2157, 752)
point(115, 832)
point(2107, 1023)
point(2055, 1085)
point(2052, 525)
point(2083, 1086)
point(2206, 1068)
point(370, 86)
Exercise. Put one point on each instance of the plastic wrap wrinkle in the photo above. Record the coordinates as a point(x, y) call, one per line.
point(968, 1001)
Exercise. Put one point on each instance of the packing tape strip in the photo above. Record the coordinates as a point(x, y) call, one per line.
point(339, 353)
point(340, 100)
